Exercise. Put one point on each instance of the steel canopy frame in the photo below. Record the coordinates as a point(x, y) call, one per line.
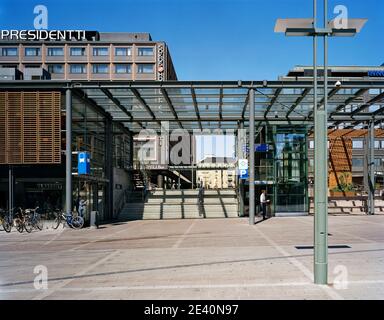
point(229, 99)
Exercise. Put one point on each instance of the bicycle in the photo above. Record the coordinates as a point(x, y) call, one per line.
point(33, 220)
point(2, 216)
point(9, 221)
point(75, 222)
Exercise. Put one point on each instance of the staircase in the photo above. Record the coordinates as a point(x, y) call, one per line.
point(350, 207)
point(138, 180)
point(182, 204)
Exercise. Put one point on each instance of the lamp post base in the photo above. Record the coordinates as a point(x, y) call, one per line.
point(321, 272)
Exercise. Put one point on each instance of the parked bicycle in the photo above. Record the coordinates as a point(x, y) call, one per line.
point(17, 220)
point(3, 215)
point(73, 221)
point(32, 220)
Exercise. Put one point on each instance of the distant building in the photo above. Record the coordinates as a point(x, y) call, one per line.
point(108, 56)
point(217, 172)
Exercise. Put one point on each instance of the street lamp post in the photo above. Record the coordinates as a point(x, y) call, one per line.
point(308, 27)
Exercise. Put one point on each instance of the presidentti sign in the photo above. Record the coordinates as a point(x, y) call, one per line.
point(47, 35)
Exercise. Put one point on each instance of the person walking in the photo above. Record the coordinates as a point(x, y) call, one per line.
point(263, 203)
point(82, 207)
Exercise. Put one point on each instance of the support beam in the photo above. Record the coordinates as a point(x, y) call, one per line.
point(359, 93)
point(116, 102)
point(251, 156)
point(68, 151)
point(374, 100)
point(171, 107)
point(371, 169)
point(144, 105)
point(298, 101)
point(273, 100)
point(193, 93)
point(245, 107)
point(379, 111)
point(322, 101)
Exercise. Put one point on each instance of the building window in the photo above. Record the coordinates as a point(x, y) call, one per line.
point(9, 52)
point(14, 66)
point(32, 52)
point(145, 68)
point(100, 51)
point(100, 68)
point(145, 51)
point(357, 144)
point(311, 163)
point(126, 51)
point(32, 66)
point(123, 68)
point(77, 51)
point(55, 51)
point(78, 68)
point(311, 144)
point(357, 162)
point(379, 144)
point(379, 162)
point(56, 68)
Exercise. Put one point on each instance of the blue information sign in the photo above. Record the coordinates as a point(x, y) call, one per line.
point(261, 147)
point(243, 173)
point(83, 163)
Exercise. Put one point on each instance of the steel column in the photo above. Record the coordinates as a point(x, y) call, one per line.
point(10, 191)
point(371, 170)
point(241, 181)
point(109, 168)
point(68, 151)
point(251, 156)
point(321, 166)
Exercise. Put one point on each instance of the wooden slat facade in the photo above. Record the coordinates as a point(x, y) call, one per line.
point(30, 127)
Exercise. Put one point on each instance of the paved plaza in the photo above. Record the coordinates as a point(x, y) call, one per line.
point(195, 259)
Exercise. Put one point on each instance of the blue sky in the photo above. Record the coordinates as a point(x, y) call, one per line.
point(214, 39)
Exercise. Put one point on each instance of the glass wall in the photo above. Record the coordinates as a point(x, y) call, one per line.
point(290, 169)
point(88, 134)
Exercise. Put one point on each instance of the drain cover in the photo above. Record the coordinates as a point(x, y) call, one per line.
point(341, 246)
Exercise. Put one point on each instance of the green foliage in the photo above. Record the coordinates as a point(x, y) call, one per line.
point(344, 186)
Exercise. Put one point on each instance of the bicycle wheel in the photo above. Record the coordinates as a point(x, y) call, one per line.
point(57, 221)
point(77, 222)
point(7, 225)
point(28, 225)
point(19, 226)
point(38, 222)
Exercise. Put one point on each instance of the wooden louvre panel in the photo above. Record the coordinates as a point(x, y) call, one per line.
point(340, 154)
point(30, 127)
point(3, 128)
point(14, 127)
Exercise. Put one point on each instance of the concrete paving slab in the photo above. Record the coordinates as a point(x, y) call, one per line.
point(195, 259)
